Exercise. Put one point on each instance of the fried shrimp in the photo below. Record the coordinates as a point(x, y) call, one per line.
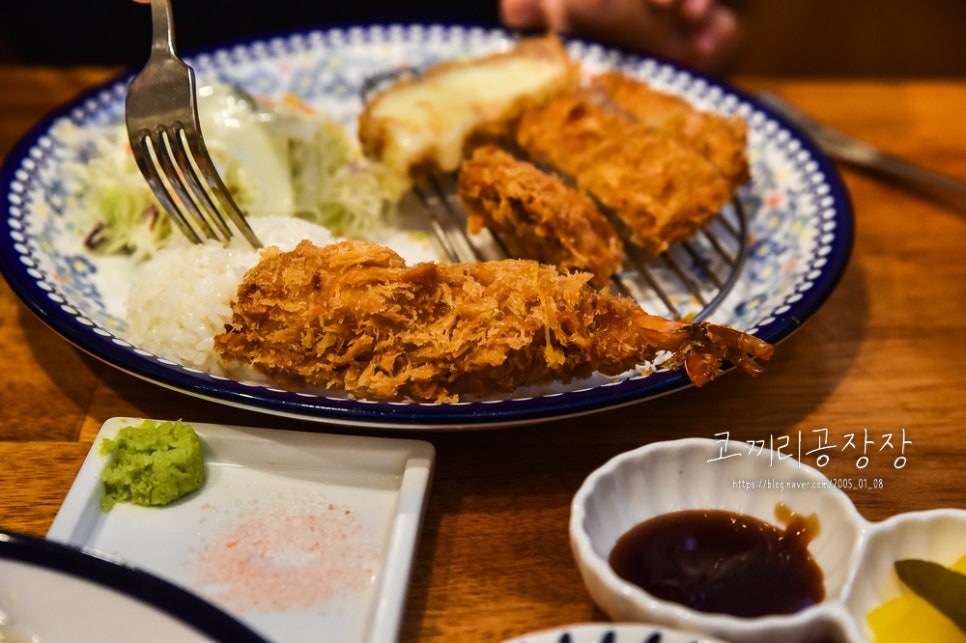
point(354, 316)
point(537, 216)
point(660, 188)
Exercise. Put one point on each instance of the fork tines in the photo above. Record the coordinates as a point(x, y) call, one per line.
point(177, 166)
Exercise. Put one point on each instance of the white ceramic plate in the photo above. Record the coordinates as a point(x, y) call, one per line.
point(55, 593)
point(293, 533)
point(800, 221)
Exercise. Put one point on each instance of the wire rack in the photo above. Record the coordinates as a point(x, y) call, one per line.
point(688, 281)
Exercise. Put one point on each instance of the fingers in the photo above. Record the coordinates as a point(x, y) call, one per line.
point(717, 35)
point(696, 11)
point(522, 14)
point(697, 32)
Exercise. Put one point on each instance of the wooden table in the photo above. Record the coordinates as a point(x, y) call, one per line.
point(883, 355)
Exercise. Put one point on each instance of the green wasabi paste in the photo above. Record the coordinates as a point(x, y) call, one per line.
point(151, 464)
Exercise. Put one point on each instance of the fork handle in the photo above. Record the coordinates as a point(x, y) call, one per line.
point(863, 155)
point(162, 23)
point(905, 171)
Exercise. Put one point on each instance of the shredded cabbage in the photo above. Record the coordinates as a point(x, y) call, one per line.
point(278, 158)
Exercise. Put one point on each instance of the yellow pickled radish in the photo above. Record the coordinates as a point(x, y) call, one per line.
point(909, 617)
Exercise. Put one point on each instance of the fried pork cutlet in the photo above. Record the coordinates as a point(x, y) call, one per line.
point(537, 216)
point(660, 188)
point(718, 138)
point(352, 315)
point(425, 123)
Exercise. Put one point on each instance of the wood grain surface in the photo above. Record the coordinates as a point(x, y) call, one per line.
point(882, 356)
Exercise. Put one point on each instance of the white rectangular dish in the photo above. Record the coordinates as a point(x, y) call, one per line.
point(295, 533)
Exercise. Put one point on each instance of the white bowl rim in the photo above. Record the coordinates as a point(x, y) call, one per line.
point(712, 623)
point(879, 534)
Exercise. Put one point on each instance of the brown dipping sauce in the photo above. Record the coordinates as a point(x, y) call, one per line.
point(724, 562)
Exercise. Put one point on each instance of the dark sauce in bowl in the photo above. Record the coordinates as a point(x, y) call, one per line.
point(723, 562)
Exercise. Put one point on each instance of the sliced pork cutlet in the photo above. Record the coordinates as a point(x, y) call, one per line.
point(720, 139)
point(538, 216)
point(660, 188)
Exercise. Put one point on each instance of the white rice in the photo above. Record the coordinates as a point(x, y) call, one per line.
point(181, 297)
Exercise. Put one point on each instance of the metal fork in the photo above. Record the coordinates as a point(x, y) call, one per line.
point(161, 111)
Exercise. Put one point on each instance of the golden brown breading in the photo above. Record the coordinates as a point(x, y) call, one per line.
point(538, 216)
point(662, 189)
point(718, 138)
point(352, 315)
point(426, 123)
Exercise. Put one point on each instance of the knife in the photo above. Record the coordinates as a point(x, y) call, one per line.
point(939, 586)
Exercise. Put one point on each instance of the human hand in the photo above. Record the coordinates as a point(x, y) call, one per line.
point(700, 33)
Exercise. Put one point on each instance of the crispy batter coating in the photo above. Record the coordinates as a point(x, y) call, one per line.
point(538, 216)
point(428, 122)
point(720, 139)
point(660, 188)
point(352, 315)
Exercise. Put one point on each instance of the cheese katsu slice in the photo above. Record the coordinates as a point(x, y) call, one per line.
point(429, 122)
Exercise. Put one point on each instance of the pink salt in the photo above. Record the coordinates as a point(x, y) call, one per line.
point(283, 560)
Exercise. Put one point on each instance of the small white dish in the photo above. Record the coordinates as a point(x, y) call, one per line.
point(938, 535)
point(295, 533)
point(611, 633)
point(696, 473)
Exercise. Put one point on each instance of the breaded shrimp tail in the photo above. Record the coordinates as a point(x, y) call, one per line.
point(353, 316)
